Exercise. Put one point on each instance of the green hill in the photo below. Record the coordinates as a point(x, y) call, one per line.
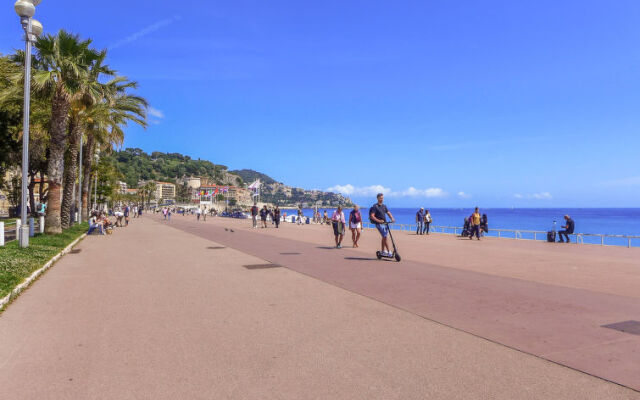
point(249, 175)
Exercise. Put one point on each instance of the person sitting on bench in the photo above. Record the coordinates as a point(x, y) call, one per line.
point(568, 229)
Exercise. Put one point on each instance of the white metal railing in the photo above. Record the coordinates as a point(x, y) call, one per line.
point(519, 234)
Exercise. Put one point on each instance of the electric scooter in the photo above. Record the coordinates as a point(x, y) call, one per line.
point(393, 255)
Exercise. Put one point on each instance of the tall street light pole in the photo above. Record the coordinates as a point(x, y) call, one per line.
point(32, 28)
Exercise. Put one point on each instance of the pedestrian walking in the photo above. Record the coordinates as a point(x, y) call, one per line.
point(204, 214)
point(420, 221)
point(355, 224)
point(299, 215)
point(475, 221)
point(263, 216)
point(254, 215)
point(338, 222)
point(198, 212)
point(276, 216)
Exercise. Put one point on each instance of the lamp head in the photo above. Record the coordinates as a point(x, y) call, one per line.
point(24, 8)
point(36, 27)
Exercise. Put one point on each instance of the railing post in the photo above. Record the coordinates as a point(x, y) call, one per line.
point(41, 224)
point(535, 236)
point(628, 242)
point(601, 240)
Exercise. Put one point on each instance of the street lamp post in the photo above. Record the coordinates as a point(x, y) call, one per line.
point(32, 28)
point(79, 207)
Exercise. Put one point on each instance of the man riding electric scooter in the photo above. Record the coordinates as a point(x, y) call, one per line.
point(378, 215)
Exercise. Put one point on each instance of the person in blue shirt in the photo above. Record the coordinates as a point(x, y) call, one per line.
point(420, 221)
point(568, 229)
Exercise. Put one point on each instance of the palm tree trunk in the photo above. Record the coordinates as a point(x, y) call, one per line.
point(55, 167)
point(87, 152)
point(70, 173)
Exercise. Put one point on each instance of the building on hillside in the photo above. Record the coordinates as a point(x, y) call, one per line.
point(122, 187)
point(165, 192)
point(192, 182)
point(132, 191)
point(208, 195)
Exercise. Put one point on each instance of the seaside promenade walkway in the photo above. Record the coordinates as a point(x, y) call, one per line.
point(186, 310)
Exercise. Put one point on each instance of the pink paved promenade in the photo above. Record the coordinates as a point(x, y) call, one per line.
point(171, 311)
point(554, 309)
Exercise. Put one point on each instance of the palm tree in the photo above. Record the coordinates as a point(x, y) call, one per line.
point(65, 62)
point(104, 123)
point(92, 91)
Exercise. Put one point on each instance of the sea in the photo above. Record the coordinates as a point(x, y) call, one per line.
point(608, 221)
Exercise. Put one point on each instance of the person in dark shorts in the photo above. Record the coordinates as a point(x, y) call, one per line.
point(276, 216)
point(263, 216)
point(254, 215)
point(378, 215)
point(475, 219)
point(568, 229)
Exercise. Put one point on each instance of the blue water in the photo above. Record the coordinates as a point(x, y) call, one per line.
point(612, 221)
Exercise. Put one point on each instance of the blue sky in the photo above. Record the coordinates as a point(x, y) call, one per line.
point(440, 103)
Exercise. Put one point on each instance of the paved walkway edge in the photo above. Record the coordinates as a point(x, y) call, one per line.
point(18, 289)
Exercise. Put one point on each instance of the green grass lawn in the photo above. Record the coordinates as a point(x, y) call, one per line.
point(16, 263)
point(8, 221)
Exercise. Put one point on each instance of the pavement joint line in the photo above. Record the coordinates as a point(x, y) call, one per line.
point(27, 282)
point(334, 284)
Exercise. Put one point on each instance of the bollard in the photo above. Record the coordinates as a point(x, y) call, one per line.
point(1, 234)
point(31, 227)
point(41, 224)
point(18, 225)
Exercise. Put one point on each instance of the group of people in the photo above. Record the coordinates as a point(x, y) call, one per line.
point(339, 225)
point(423, 221)
point(475, 224)
point(378, 214)
point(99, 219)
point(264, 214)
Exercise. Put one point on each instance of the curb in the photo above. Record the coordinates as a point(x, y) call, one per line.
point(18, 289)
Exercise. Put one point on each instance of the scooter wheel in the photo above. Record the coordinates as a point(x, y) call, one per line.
point(398, 257)
point(379, 255)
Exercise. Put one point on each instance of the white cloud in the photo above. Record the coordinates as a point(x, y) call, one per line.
point(463, 195)
point(535, 196)
point(145, 31)
point(413, 192)
point(154, 112)
point(350, 190)
point(542, 196)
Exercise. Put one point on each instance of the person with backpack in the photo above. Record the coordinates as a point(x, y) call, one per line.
point(355, 224)
point(378, 215)
point(420, 221)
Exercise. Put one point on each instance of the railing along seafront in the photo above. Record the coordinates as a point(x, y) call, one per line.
point(520, 234)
